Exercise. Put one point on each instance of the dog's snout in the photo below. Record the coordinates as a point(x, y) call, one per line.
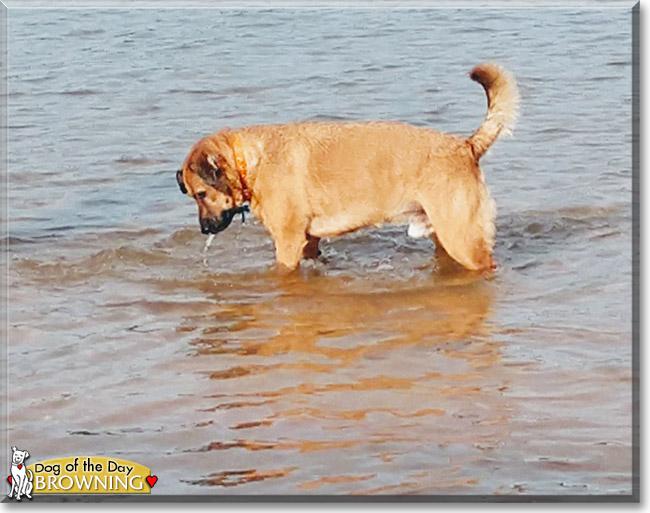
point(212, 224)
point(206, 224)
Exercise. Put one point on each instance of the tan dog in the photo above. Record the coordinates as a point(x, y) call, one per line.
point(305, 181)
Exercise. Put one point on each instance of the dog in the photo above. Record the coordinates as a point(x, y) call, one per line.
point(20, 483)
point(310, 180)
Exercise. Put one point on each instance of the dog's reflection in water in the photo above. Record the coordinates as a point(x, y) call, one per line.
point(363, 315)
point(304, 366)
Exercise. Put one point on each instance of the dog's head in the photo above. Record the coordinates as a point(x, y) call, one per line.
point(211, 176)
point(19, 456)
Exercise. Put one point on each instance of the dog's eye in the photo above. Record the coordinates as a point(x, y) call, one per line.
point(200, 195)
point(179, 180)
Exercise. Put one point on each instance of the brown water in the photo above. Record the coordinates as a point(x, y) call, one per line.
point(370, 371)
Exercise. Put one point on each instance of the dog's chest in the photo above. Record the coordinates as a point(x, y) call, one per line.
point(17, 472)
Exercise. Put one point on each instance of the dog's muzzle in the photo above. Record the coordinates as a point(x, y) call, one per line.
point(216, 225)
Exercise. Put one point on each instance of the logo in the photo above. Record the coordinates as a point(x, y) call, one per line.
point(78, 475)
point(21, 477)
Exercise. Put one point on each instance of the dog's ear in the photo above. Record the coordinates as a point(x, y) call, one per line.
point(212, 160)
point(14, 449)
point(214, 173)
point(179, 179)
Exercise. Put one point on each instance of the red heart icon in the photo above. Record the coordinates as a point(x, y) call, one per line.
point(20, 466)
point(9, 479)
point(152, 480)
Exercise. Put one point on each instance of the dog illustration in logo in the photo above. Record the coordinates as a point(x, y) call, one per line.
point(20, 483)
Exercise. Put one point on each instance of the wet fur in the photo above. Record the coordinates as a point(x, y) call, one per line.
point(314, 180)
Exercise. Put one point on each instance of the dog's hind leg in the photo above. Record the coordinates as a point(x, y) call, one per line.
point(464, 228)
point(444, 263)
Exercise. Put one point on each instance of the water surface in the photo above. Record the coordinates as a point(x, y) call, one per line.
point(370, 371)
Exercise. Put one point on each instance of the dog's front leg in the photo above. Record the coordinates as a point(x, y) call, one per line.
point(290, 240)
point(289, 249)
point(284, 213)
point(19, 488)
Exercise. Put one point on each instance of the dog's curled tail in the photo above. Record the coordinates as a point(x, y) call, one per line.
point(503, 105)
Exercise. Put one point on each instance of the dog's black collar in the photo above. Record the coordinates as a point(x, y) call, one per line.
point(241, 210)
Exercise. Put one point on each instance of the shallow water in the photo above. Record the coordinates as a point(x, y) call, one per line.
point(370, 371)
